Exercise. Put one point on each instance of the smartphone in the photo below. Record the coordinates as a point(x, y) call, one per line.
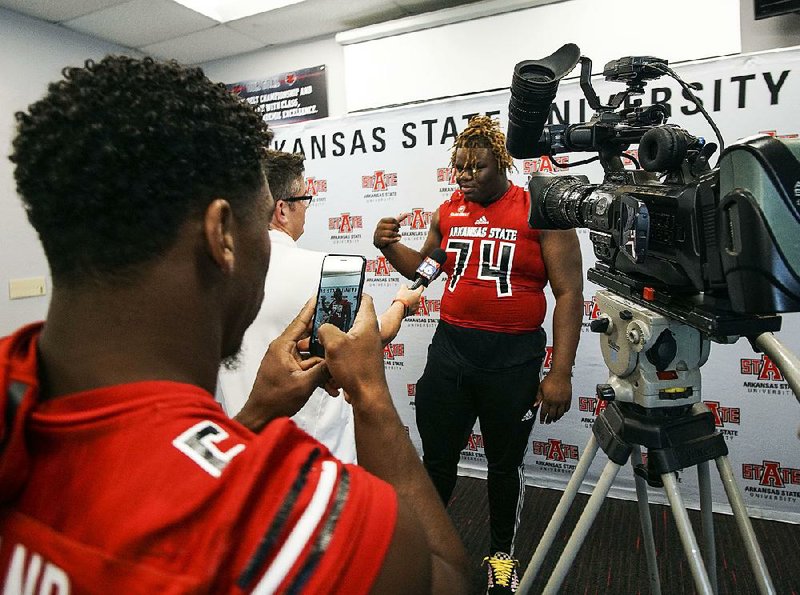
point(340, 285)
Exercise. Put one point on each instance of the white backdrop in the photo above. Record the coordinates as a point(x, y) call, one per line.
point(364, 167)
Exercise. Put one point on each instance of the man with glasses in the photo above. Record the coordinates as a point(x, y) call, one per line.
point(292, 279)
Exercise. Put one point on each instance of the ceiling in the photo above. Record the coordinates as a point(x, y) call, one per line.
point(166, 29)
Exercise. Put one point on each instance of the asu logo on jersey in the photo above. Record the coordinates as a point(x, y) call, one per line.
point(379, 185)
point(345, 228)
point(770, 480)
point(768, 378)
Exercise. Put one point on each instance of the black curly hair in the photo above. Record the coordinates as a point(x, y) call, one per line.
point(119, 154)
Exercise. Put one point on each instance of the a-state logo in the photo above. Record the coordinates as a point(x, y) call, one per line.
point(344, 227)
point(379, 181)
point(379, 186)
point(427, 315)
point(316, 188)
point(446, 175)
point(548, 358)
point(428, 306)
point(380, 267)
point(776, 135)
point(473, 451)
point(769, 379)
point(418, 219)
point(393, 353)
point(545, 164)
point(555, 450)
point(772, 481)
point(724, 417)
point(412, 389)
point(591, 311)
point(557, 455)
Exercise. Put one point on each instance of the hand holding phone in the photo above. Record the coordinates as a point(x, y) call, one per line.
point(340, 286)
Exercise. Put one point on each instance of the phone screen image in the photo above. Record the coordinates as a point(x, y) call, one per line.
point(339, 295)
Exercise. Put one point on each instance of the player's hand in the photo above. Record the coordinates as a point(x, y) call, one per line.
point(554, 397)
point(285, 379)
point(387, 231)
point(355, 359)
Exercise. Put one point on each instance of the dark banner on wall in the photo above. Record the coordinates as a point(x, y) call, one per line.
point(288, 97)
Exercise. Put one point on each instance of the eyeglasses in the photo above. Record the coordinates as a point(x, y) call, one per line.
point(304, 199)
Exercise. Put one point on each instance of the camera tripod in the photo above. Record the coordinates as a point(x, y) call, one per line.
point(653, 397)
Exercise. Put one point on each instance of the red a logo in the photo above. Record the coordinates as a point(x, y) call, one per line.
point(769, 371)
point(345, 225)
point(417, 221)
point(771, 475)
point(380, 181)
point(382, 267)
point(548, 357)
point(311, 187)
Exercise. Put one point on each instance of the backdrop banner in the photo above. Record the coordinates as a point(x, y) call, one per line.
point(383, 163)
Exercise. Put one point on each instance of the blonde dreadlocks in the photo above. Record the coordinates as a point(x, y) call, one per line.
point(483, 132)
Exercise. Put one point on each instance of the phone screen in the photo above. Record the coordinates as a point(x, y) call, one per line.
point(339, 295)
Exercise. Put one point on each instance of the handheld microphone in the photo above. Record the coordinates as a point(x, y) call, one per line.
point(429, 268)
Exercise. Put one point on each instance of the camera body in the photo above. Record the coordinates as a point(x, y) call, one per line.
point(717, 248)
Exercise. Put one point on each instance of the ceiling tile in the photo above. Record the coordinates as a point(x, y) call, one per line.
point(203, 46)
point(56, 12)
point(141, 22)
point(315, 18)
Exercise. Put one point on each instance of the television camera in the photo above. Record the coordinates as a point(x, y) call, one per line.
point(689, 253)
point(716, 248)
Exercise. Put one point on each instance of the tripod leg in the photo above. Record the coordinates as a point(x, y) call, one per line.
point(559, 515)
point(745, 526)
point(582, 528)
point(646, 522)
point(687, 535)
point(707, 514)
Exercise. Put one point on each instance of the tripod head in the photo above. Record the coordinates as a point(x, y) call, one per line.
point(654, 361)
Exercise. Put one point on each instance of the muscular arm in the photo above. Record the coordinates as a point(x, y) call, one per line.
point(562, 258)
point(406, 260)
point(426, 554)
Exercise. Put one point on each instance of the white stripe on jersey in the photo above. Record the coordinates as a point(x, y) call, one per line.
point(302, 532)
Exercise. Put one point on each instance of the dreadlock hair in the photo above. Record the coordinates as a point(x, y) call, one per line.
point(283, 171)
point(119, 154)
point(483, 132)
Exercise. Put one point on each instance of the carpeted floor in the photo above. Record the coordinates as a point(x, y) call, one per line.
point(612, 560)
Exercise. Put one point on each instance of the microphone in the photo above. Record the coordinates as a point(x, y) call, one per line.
point(429, 268)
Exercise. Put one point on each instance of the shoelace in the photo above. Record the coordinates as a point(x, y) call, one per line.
point(502, 569)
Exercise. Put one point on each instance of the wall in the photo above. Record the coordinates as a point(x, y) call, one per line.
point(32, 54)
point(772, 32)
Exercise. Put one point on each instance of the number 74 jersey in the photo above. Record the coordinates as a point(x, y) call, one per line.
point(495, 271)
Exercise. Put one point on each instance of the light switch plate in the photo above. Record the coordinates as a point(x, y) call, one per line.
point(22, 288)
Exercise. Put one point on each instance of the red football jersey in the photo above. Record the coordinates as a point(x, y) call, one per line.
point(149, 488)
point(494, 264)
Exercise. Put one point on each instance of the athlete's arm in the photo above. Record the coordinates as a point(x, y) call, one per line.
point(406, 260)
point(426, 554)
point(561, 253)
